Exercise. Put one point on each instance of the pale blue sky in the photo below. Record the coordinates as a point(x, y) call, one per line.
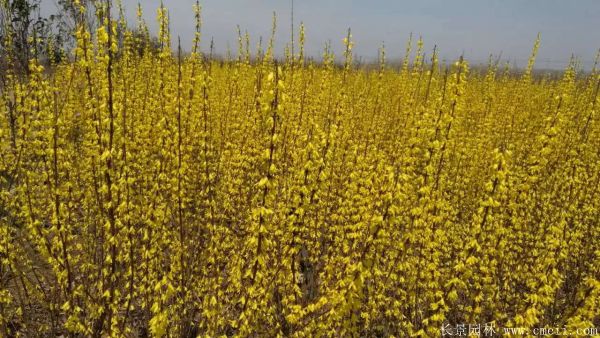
point(473, 27)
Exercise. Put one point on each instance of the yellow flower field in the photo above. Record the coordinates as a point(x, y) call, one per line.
point(149, 192)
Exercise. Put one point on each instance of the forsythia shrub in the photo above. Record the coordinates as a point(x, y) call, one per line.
point(144, 192)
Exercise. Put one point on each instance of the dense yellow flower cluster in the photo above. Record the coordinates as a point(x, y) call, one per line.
point(148, 193)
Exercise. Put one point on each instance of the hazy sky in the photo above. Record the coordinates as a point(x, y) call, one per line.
point(473, 27)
